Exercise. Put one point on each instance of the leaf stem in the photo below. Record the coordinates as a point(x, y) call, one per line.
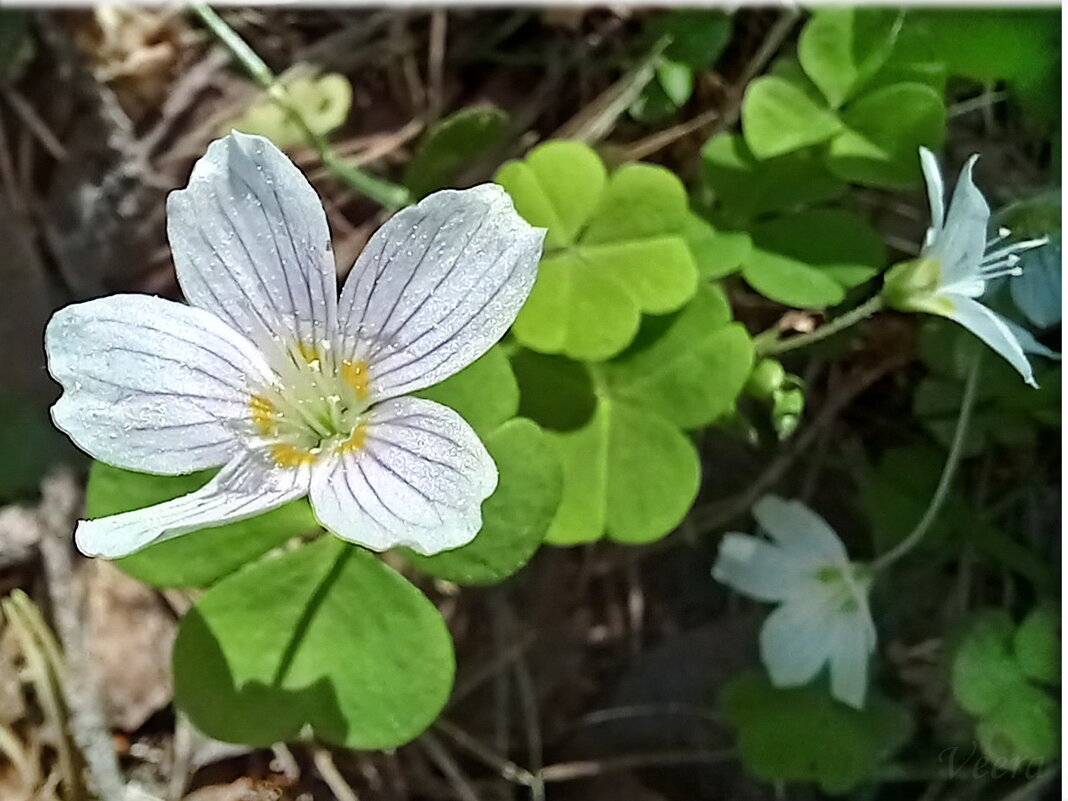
point(956, 449)
point(852, 317)
point(386, 193)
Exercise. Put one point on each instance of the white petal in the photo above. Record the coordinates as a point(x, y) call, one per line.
point(251, 244)
point(800, 531)
point(436, 286)
point(991, 328)
point(853, 641)
point(247, 486)
point(1028, 342)
point(758, 569)
point(795, 640)
point(962, 242)
point(418, 480)
point(150, 384)
point(936, 193)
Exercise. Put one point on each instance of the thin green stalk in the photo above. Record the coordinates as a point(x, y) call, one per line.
point(956, 449)
point(386, 193)
point(861, 312)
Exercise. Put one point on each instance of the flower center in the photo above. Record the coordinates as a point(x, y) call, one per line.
point(317, 404)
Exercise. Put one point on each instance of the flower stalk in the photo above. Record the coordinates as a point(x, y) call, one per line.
point(386, 193)
point(850, 318)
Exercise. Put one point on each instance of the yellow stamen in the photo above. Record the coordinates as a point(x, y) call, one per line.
point(354, 373)
point(356, 439)
point(291, 456)
point(263, 415)
point(308, 352)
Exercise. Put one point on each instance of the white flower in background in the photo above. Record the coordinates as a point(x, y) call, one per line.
point(955, 264)
point(293, 391)
point(823, 617)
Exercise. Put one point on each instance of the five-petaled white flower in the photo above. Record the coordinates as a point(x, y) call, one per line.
point(823, 615)
point(293, 391)
point(956, 262)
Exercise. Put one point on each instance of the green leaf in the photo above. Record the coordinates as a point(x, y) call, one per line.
point(614, 249)
point(698, 36)
point(485, 393)
point(778, 117)
point(324, 635)
point(323, 102)
point(745, 188)
point(1021, 730)
point(628, 473)
point(689, 367)
point(842, 48)
point(515, 518)
point(452, 143)
point(555, 392)
point(984, 668)
point(716, 253)
point(808, 259)
point(676, 80)
point(1037, 644)
point(803, 735)
point(30, 444)
point(884, 131)
point(201, 557)
point(653, 105)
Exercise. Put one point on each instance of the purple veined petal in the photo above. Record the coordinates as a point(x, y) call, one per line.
point(756, 568)
point(249, 485)
point(936, 194)
point(417, 479)
point(852, 643)
point(960, 245)
point(251, 244)
point(795, 641)
point(991, 328)
point(150, 384)
point(800, 531)
point(436, 286)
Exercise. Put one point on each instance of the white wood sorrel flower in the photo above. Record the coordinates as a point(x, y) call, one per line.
point(823, 617)
point(293, 391)
point(955, 263)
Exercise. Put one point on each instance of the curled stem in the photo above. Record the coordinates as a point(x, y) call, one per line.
point(852, 317)
point(386, 193)
point(956, 449)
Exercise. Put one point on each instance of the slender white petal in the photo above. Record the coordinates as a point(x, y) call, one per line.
point(247, 486)
point(1027, 340)
point(436, 286)
point(759, 569)
point(795, 641)
point(800, 531)
point(852, 642)
point(989, 327)
point(418, 479)
point(150, 384)
point(251, 244)
point(936, 193)
point(961, 244)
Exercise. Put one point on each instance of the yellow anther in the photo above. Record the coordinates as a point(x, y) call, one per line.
point(263, 415)
point(356, 439)
point(308, 352)
point(354, 373)
point(291, 456)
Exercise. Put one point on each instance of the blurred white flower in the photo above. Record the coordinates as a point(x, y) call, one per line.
point(293, 391)
point(823, 616)
point(955, 264)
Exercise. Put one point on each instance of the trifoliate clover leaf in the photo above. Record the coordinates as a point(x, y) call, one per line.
point(615, 248)
point(716, 253)
point(515, 518)
point(803, 735)
point(985, 671)
point(325, 635)
point(688, 367)
point(202, 557)
point(809, 259)
point(842, 48)
point(451, 143)
point(698, 35)
point(883, 131)
point(1021, 729)
point(745, 188)
point(779, 117)
point(485, 393)
point(1037, 644)
point(323, 101)
point(556, 392)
